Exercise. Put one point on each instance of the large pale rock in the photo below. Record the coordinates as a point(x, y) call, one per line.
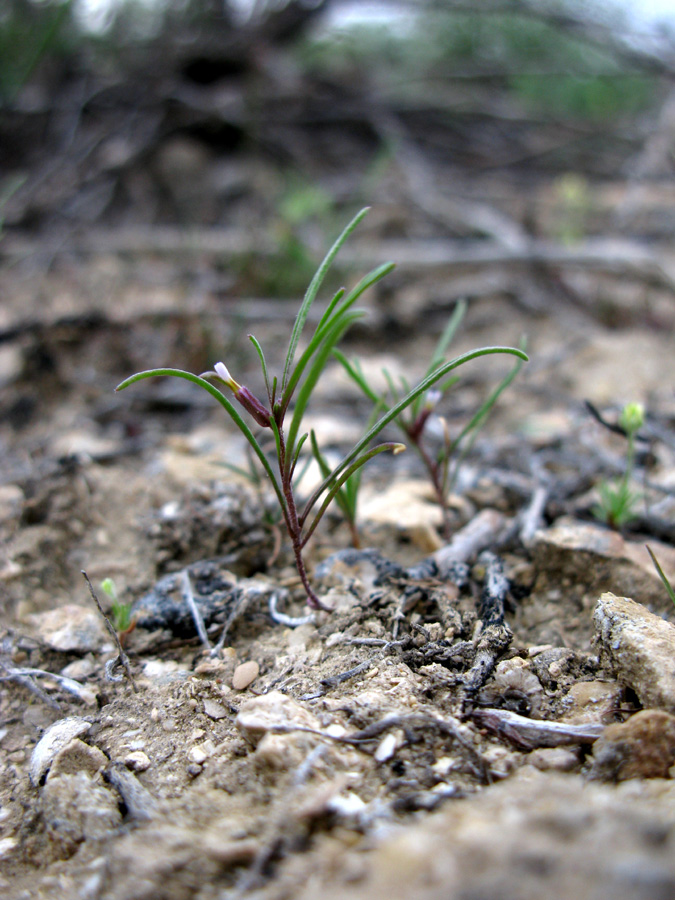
point(640, 648)
point(601, 559)
point(71, 628)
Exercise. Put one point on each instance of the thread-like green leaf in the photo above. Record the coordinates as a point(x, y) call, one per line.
point(396, 410)
point(311, 293)
point(337, 484)
point(338, 327)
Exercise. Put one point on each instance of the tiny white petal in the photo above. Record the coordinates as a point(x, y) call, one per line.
point(222, 371)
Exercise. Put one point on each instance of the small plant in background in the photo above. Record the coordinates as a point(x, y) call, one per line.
point(302, 209)
point(572, 205)
point(618, 499)
point(443, 465)
point(288, 396)
point(120, 612)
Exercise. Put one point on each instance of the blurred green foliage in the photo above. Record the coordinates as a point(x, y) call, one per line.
point(547, 71)
point(30, 32)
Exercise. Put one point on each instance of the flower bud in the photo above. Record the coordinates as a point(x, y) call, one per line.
point(632, 417)
point(249, 401)
point(223, 373)
point(253, 406)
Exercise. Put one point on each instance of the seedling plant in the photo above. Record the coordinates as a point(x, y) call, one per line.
point(287, 398)
point(442, 466)
point(120, 612)
point(618, 499)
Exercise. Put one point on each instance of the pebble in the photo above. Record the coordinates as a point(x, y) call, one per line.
point(77, 756)
point(74, 809)
point(214, 710)
point(639, 647)
point(642, 747)
point(592, 701)
point(558, 759)
point(586, 552)
point(244, 675)
point(137, 761)
point(55, 738)
point(79, 669)
point(197, 755)
point(272, 712)
point(7, 845)
point(388, 746)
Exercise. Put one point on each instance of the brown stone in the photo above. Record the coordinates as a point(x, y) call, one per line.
point(642, 747)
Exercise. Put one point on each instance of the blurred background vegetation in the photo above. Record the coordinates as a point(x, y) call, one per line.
point(268, 117)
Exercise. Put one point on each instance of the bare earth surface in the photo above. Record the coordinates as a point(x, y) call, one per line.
point(448, 731)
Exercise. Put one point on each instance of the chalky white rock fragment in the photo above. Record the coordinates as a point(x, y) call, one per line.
point(639, 647)
point(55, 738)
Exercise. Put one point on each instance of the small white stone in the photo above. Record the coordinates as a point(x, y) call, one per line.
point(7, 845)
point(387, 747)
point(347, 805)
point(214, 710)
point(245, 674)
point(137, 761)
point(197, 755)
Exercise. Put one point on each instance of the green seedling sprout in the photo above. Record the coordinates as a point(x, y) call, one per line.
point(618, 499)
point(288, 396)
point(120, 612)
point(443, 466)
point(662, 575)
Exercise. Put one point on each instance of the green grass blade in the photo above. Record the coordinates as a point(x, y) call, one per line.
point(337, 484)
point(337, 309)
point(394, 411)
point(339, 326)
point(475, 424)
point(296, 455)
point(355, 373)
point(447, 337)
point(311, 293)
point(263, 365)
point(367, 281)
point(341, 497)
point(662, 575)
point(479, 417)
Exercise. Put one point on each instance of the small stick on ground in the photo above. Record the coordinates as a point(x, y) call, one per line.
point(189, 597)
point(27, 682)
point(122, 659)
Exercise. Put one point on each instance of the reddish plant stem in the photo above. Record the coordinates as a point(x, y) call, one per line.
point(292, 524)
point(434, 471)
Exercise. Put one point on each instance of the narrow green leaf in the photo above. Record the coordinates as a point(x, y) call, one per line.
point(296, 455)
point(396, 410)
point(263, 365)
point(355, 373)
point(311, 293)
point(338, 328)
point(447, 337)
point(473, 428)
point(326, 324)
point(337, 484)
point(662, 575)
